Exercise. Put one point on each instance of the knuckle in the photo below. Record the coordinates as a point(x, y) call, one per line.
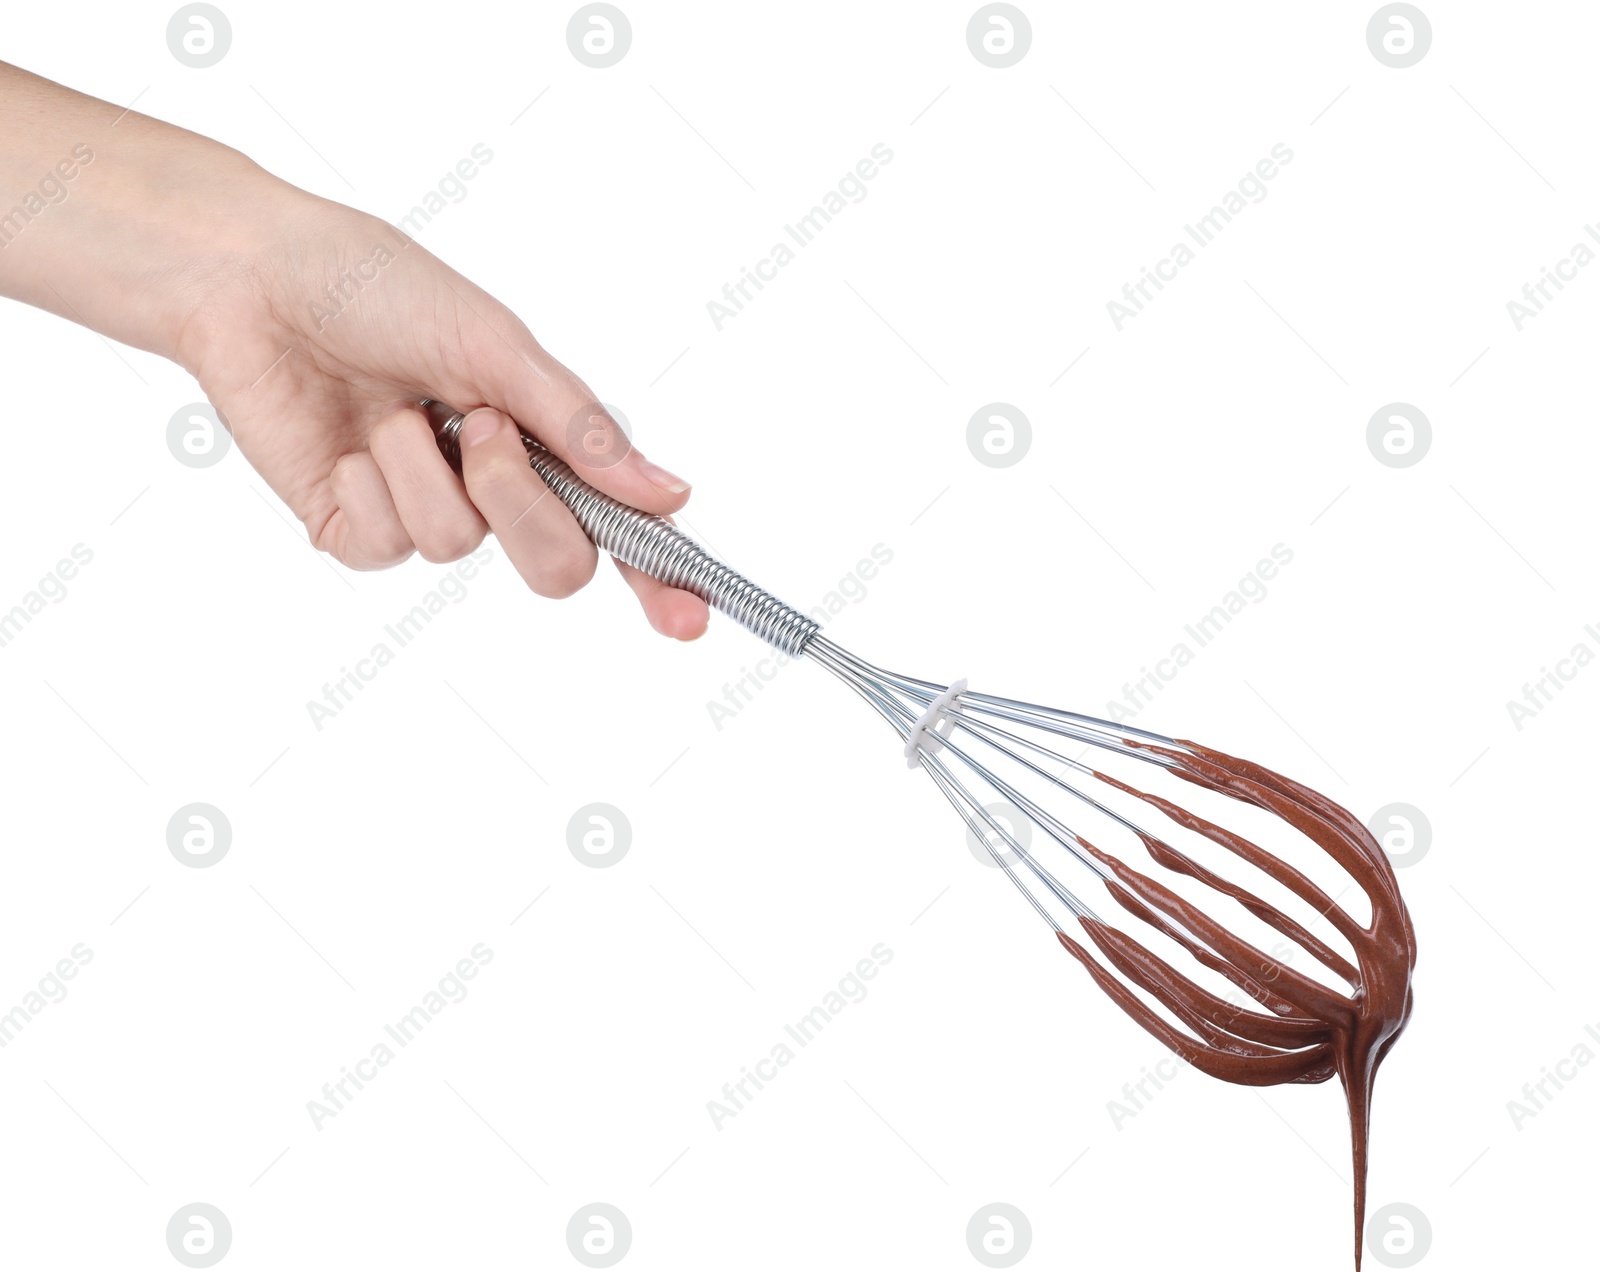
point(344, 468)
point(391, 548)
point(344, 478)
point(365, 555)
point(341, 553)
point(382, 431)
point(451, 541)
point(495, 472)
point(565, 574)
point(388, 431)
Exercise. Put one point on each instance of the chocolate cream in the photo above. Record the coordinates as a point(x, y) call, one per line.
point(1305, 1032)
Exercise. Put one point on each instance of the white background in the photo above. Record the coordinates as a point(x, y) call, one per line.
point(769, 856)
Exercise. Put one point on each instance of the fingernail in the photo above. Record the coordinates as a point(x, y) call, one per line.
point(659, 476)
point(480, 427)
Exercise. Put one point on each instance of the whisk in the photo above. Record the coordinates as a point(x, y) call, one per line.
point(982, 750)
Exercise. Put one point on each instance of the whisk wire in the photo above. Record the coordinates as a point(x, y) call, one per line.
point(1295, 1030)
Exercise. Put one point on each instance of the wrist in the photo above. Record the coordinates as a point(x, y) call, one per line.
point(181, 225)
point(123, 223)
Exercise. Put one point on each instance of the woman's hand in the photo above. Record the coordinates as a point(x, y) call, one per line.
point(315, 331)
point(317, 348)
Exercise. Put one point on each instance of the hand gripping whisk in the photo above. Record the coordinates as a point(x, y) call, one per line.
point(995, 759)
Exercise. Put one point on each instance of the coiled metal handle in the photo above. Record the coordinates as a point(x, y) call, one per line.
point(649, 543)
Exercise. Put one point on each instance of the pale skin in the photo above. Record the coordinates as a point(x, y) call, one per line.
point(174, 243)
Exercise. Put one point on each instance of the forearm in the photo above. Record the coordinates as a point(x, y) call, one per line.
point(118, 221)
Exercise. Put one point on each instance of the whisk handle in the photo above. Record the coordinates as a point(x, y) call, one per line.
point(650, 543)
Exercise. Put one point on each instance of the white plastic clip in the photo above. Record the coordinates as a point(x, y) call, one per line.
point(933, 725)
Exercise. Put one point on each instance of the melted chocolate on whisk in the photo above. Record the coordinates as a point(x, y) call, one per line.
point(1306, 1032)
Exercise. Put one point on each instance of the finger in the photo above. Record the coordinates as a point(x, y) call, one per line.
point(365, 531)
point(594, 444)
point(543, 540)
point(432, 505)
point(512, 370)
point(671, 611)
